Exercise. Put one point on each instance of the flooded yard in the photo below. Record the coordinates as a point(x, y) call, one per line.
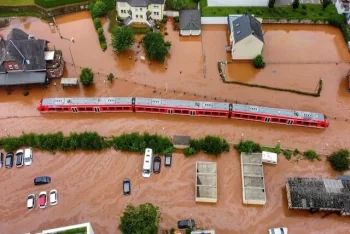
point(90, 184)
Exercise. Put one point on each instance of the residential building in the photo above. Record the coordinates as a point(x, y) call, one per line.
point(342, 6)
point(221, 3)
point(140, 11)
point(206, 182)
point(85, 228)
point(23, 60)
point(246, 37)
point(190, 22)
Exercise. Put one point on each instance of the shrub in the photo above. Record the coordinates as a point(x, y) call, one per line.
point(110, 77)
point(296, 152)
point(214, 145)
point(86, 77)
point(98, 9)
point(326, 3)
point(156, 47)
point(190, 151)
point(340, 160)
point(303, 7)
point(122, 38)
point(258, 62)
point(248, 147)
point(311, 155)
point(288, 154)
point(103, 46)
point(177, 19)
point(272, 3)
point(188, 230)
point(295, 4)
point(97, 23)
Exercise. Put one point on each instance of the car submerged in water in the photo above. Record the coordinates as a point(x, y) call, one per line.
point(42, 199)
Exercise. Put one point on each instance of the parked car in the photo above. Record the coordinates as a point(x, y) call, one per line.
point(53, 197)
point(126, 186)
point(28, 156)
point(187, 223)
point(31, 201)
point(157, 161)
point(1, 159)
point(19, 158)
point(9, 160)
point(168, 160)
point(281, 230)
point(42, 180)
point(42, 199)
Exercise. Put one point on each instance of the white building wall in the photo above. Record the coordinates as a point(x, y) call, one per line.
point(190, 32)
point(340, 7)
point(247, 48)
point(139, 13)
point(86, 225)
point(238, 2)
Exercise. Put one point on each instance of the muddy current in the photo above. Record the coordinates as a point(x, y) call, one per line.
point(90, 184)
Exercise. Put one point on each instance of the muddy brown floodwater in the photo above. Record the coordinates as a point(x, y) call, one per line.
point(90, 185)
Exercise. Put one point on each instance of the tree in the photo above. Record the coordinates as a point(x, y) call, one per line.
point(122, 38)
point(156, 47)
point(326, 3)
point(110, 77)
point(340, 160)
point(272, 3)
point(143, 219)
point(258, 62)
point(86, 77)
point(98, 9)
point(178, 4)
point(101, 35)
point(295, 4)
point(97, 23)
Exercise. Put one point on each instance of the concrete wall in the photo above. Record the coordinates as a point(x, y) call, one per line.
point(190, 32)
point(214, 20)
point(247, 48)
point(172, 13)
point(82, 225)
point(238, 2)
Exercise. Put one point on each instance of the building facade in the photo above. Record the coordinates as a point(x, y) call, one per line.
point(342, 6)
point(140, 11)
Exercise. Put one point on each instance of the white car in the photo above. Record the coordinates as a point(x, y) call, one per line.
point(42, 199)
point(281, 230)
point(53, 197)
point(19, 158)
point(28, 156)
point(31, 201)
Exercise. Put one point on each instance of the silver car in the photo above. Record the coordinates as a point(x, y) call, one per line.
point(28, 156)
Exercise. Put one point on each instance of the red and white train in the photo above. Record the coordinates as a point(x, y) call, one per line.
point(183, 107)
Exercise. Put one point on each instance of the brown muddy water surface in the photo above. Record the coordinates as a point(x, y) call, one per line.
point(89, 185)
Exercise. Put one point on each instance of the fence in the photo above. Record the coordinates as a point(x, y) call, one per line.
point(171, 13)
point(214, 20)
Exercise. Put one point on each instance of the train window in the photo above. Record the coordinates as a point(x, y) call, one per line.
point(222, 114)
point(155, 109)
point(88, 108)
point(148, 109)
point(140, 108)
point(244, 116)
point(111, 108)
point(185, 112)
point(81, 109)
point(51, 109)
point(177, 112)
point(299, 122)
point(59, 109)
point(200, 112)
point(251, 117)
point(283, 120)
point(238, 115)
point(65, 109)
point(207, 113)
point(259, 118)
point(215, 113)
point(104, 108)
point(126, 108)
point(313, 124)
point(274, 120)
point(162, 110)
point(119, 108)
point(306, 123)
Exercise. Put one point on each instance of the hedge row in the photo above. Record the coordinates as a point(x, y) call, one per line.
point(210, 145)
point(98, 26)
point(316, 94)
point(56, 3)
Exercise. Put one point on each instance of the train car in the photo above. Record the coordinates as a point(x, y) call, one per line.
point(184, 107)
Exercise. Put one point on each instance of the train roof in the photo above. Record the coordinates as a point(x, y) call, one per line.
point(87, 101)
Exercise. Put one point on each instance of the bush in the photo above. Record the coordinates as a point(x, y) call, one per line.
point(190, 151)
point(189, 230)
point(248, 147)
point(295, 4)
point(103, 46)
point(214, 145)
point(122, 38)
point(258, 62)
point(110, 77)
point(272, 3)
point(156, 47)
point(86, 77)
point(288, 154)
point(177, 19)
point(25, 92)
point(304, 7)
point(311, 155)
point(97, 23)
point(98, 9)
point(101, 35)
point(326, 3)
point(340, 160)
point(55, 3)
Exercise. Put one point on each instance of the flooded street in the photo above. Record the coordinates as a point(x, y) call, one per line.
point(90, 184)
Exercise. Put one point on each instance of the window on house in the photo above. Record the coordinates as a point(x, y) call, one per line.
point(16, 66)
point(155, 6)
point(10, 67)
point(141, 16)
point(123, 11)
point(137, 16)
point(156, 13)
point(140, 9)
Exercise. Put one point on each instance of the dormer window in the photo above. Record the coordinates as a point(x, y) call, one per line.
point(238, 32)
point(237, 24)
point(16, 66)
point(10, 67)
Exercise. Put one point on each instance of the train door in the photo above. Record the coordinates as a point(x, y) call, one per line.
point(97, 109)
point(74, 109)
point(170, 111)
point(192, 113)
point(267, 119)
point(290, 122)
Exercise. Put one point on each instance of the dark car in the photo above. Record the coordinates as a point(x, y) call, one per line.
point(188, 223)
point(42, 180)
point(9, 160)
point(1, 159)
point(168, 159)
point(19, 158)
point(126, 187)
point(157, 161)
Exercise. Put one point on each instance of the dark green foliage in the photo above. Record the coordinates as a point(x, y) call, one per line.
point(258, 62)
point(98, 9)
point(248, 147)
point(276, 149)
point(10, 143)
point(340, 160)
point(296, 152)
point(288, 154)
point(295, 4)
point(143, 219)
point(338, 20)
point(326, 3)
point(74, 231)
point(101, 35)
point(189, 230)
point(175, 4)
point(110, 77)
point(172, 231)
point(177, 19)
point(122, 38)
point(103, 46)
point(311, 155)
point(155, 46)
point(272, 3)
point(210, 145)
point(55, 3)
point(97, 23)
point(135, 142)
point(196, 1)
point(190, 151)
point(86, 77)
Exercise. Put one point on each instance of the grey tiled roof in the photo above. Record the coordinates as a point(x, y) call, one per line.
point(19, 78)
point(190, 20)
point(17, 34)
point(142, 3)
point(245, 26)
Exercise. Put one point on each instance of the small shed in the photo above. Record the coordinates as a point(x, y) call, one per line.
point(206, 182)
point(269, 157)
point(190, 22)
point(181, 142)
point(69, 82)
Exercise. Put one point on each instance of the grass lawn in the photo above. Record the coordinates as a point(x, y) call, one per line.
point(16, 2)
point(305, 11)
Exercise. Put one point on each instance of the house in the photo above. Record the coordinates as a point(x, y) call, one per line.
point(246, 37)
point(222, 3)
point(190, 22)
point(140, 11)
point(23, 62)
point(342, 6)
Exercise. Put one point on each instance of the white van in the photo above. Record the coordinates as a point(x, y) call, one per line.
point(147, 163)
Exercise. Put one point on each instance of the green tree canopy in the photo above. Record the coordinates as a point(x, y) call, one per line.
point(258, 61)
point(272, 3)
point(340, 160)
point(143, 219)
point(295, 4)
point(156, 47)
point(326, 3)
point(122, 38)
point(97, 23)
point(98, 9)
point(86, 76)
